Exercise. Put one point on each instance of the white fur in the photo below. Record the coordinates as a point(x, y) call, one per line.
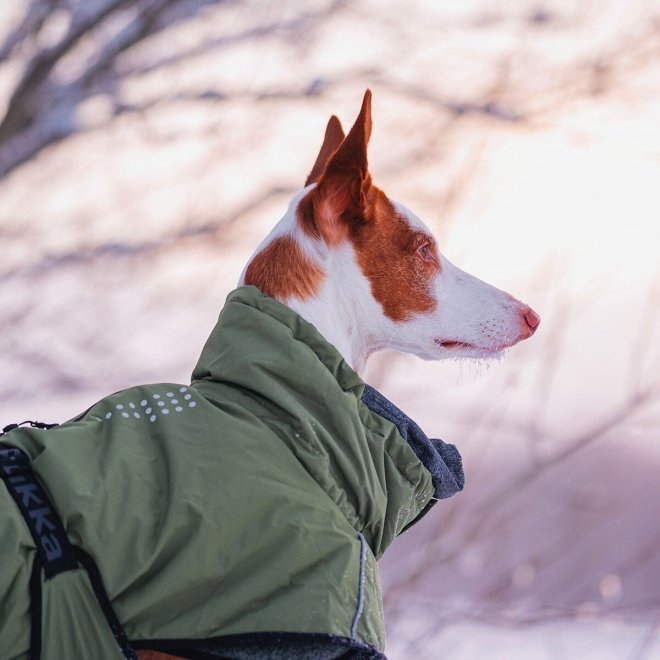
point(469, 311)
point(345, 312)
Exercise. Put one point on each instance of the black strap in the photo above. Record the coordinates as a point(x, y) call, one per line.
point(55, 553)
point(50, 538)
point(94, 574)
point(35, 610)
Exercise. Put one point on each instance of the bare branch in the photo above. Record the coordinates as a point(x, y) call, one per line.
point(31, 23)
point(84, 256)
point(21, 109)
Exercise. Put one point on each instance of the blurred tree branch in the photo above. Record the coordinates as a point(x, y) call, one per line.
point(42, 109)
point(486, 519)
point(24, 104)
point(31, 23)
point(82, 256)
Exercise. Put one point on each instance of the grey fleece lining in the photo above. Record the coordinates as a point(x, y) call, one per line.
point(442, 460)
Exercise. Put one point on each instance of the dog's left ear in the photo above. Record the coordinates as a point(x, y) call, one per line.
point(340, 198)
point(334, 136)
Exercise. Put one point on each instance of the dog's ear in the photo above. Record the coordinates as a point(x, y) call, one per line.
point(340, 198)
point(334, 136)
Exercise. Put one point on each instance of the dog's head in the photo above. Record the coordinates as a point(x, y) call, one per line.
point(345, 242)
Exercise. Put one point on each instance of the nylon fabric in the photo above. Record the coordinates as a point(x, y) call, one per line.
point(226, 507)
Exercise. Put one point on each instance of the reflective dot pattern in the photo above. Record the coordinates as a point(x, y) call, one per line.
point(153, 406)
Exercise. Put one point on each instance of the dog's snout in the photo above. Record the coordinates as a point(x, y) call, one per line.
point(530, 321)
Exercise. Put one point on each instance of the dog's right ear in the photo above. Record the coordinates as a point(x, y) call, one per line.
point(334, 136)
point(340, 199)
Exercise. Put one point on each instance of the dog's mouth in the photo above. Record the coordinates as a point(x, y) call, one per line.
point(454, 345)
point(463, 346)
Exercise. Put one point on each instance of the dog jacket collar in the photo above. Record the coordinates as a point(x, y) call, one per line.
point(264, 319)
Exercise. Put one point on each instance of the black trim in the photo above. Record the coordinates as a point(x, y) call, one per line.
point(96, 581)
point(430, 504)
point(55, 553)
point(35, 610)
point(34, 425)
point(265, 646)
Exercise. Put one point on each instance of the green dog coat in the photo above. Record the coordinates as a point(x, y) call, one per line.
point(241, 515)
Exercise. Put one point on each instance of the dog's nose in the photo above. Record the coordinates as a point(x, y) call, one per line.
point(531, 320)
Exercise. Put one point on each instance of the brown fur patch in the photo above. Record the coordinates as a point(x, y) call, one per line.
point(399, 260)
point(283, 271)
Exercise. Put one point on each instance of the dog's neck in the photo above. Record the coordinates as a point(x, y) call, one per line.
point(342, 308)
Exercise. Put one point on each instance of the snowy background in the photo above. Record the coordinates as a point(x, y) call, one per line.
point(146, 147)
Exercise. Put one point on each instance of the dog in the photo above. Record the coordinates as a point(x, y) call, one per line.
point(242, 515)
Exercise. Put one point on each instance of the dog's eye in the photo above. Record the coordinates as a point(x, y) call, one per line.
point(425, 251)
